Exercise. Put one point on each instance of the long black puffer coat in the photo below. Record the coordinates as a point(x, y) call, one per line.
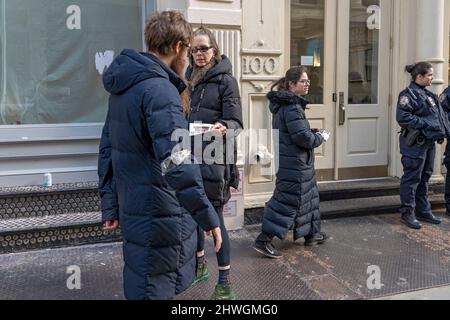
point(160, 238)
point(215, 99)
point(295, 203)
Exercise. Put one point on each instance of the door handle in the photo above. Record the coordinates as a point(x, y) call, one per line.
point(341, 109)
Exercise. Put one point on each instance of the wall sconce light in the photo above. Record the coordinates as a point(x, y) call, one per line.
point(317, 62)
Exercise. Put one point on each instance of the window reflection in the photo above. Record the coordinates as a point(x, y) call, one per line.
point(307, 42)
point(53, 54)
point(363, 59)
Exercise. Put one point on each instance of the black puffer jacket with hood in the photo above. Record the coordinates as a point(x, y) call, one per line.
point(216, 99)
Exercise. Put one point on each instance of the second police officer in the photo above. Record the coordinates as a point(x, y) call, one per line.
point(423, 123)
point(445, 102)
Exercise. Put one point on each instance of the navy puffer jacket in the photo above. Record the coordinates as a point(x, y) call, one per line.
point(419, 108)
point(215, 99)
point(295, 203)
point(159, 234)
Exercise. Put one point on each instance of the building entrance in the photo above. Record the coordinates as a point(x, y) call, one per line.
point(346, 46)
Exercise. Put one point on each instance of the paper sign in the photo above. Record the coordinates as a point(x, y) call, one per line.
point(307, 61)
point(230, 209)
point(240, 190)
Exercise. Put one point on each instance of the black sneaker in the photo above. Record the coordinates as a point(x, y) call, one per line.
point(316, 239)
point(267, 249)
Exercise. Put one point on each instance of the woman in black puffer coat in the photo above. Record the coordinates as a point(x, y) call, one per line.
point(215, 100)
point(295, 203)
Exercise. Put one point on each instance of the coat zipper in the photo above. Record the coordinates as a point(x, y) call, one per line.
point(202, 94)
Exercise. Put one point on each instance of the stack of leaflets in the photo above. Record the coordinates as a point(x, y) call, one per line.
point(199, 128)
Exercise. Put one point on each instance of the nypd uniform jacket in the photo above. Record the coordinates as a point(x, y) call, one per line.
point(444, 99)
point(419, 108)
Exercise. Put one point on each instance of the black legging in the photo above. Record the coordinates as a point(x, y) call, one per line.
point(223, 256)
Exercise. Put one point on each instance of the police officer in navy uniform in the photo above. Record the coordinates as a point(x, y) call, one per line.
point(423, 123)
point(444, 99)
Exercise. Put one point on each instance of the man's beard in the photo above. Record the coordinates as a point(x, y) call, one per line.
point(179, 67)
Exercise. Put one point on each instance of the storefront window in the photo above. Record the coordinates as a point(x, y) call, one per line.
point(363, 62)
point(53, 54)
point(307, 42)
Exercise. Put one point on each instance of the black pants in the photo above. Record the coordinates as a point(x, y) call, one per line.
point(415, 180)
point(223, 256)
point(447, 178)
point(447, 189)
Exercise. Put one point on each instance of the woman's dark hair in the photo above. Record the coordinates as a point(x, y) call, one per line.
point(292, 75)
point(420, 68)
point(202, 31)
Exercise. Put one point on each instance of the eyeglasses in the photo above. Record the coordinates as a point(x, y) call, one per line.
point(201, 49)
point(308, 82)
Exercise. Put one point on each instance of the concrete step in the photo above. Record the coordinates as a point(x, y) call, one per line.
point(68, 214)
point(369, 206)
point(53, 231)
point(342, 190)
point(37, 201)
point(352, 207)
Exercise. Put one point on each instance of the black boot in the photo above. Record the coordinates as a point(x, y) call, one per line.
point(428, 217)
point(409, 219)
point(316, 239)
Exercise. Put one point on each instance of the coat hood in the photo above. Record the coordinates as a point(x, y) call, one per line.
point(223, 67)
point(283, 98)
point(132, 67)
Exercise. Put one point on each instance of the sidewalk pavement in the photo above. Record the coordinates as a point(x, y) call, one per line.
point(366, 258)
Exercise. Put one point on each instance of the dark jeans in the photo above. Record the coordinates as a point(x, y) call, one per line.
point(223, 256)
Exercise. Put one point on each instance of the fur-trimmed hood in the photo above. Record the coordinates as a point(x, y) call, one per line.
point(283, 98)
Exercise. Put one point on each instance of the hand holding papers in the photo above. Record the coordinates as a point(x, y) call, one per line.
point(199, 128)
point(325, 134)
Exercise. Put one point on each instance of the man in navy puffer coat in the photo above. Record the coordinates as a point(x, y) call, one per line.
point(143, 183)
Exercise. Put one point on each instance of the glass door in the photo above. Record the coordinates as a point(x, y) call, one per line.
point(362, 88)
point(346, 46)
point(313, 35)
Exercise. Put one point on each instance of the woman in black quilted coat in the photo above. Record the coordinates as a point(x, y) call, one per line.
point(295, 203)
point(215, 100)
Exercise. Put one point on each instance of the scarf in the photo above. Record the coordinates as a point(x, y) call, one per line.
point(198, 74)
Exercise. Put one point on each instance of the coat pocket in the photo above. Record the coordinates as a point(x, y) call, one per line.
point(213, 180)
point(307, 157)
